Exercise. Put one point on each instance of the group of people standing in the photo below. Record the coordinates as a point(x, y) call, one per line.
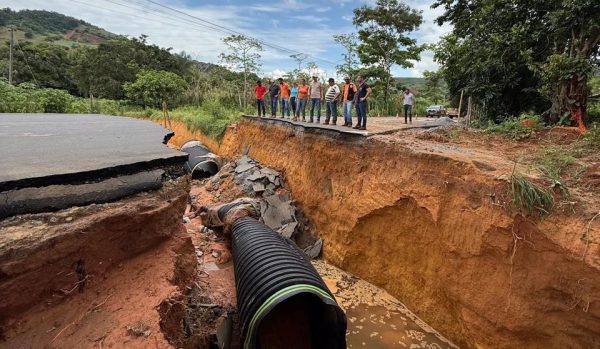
point(294, 100)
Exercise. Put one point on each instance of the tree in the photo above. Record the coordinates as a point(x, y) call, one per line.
point(156, 88)
point(243, 56)
point(103, 71)
point(520, 55)
point(350, 56)
point(383, 37)
point(299, 58)
point(433, 86)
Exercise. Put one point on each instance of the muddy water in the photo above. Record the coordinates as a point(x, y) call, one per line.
point(376, 320)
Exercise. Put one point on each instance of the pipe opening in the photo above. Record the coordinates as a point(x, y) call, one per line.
point(302, 321)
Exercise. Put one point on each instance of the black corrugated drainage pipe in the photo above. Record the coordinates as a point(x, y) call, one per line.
point(201, 162)
point(282, 301)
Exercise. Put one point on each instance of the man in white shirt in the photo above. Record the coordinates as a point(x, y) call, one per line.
point(409, 102)
point(331, 99)
point(316, 95)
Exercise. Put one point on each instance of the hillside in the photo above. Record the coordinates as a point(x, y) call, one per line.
point(52, 27)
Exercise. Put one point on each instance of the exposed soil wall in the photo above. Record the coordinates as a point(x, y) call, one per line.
point(427, 225)
point(45, 258)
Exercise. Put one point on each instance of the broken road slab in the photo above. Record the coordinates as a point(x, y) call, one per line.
point(47, 149)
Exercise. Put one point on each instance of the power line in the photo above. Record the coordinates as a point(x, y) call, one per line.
point(178, 18)
point(26, 62)
point(277, 47)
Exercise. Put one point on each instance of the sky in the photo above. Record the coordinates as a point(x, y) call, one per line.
point(305, 26)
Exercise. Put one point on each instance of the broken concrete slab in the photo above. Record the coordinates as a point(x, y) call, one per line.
point(314, 251)
point(277, 212)
point(288, 230)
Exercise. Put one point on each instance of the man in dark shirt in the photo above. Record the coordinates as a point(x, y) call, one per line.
point(274, 95)
point(360, 100)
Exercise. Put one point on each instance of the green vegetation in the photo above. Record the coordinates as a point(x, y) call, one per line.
point(384, 41)
point(155, 88)
point(518, 55)
point(50, 27)
point(212, 118)
point(530, 197)
point(514, 128)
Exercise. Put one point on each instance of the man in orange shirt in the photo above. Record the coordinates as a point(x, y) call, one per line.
point(349, 91)
point(285, 98)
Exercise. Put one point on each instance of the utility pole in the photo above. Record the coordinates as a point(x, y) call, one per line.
point(10, 56)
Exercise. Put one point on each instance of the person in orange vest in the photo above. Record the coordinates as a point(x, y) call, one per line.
point(349, 89)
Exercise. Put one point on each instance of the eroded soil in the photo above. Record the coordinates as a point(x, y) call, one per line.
point(429, 220)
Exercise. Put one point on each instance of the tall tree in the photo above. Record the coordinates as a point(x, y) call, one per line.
point(299, 58)
point(384, 41)
point(518, 55)
point(350, 56)
point(433, 86)
point(243, 55)
point(156, 88)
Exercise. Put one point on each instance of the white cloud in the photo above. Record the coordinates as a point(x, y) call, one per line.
point(309, 33)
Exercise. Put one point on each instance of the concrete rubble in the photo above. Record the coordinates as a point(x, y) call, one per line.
point(277, 208)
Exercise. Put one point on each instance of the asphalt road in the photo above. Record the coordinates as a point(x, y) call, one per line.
point(45, 149)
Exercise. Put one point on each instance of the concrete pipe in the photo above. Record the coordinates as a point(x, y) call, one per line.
point(201, 162)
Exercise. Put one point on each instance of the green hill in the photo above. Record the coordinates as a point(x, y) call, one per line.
point(51, 27)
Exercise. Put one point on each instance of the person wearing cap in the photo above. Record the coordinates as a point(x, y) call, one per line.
point(302, 100)
point(260, 91)
point(348, 97)
point(360, 100)
point(285, 98)
point(274, 90)
point(316, 95)
point(331, 99)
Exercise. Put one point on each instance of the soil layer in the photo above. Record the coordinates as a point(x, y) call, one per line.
point(429, 223)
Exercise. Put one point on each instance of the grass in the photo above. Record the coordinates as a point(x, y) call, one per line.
point(554, 161)
point(529, 197)
point(210, 119)
point(515, 128)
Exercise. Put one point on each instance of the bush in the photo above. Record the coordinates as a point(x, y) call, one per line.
point(593, 110)
point(79, 106)
point(515, 128)
point(52, 100)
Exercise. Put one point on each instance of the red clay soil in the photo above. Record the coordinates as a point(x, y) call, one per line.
point(94, 276)
point(430, 222)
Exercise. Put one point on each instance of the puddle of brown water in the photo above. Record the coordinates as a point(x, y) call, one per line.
point(375, 327)
point(377, 320)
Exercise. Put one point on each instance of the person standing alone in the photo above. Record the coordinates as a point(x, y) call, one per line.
point(360, 98)
point(331, 100)
point(349, 91)
point(260, 90)
point(274, 96)
point(285, 98)
point(316, 95)
point(409, 102)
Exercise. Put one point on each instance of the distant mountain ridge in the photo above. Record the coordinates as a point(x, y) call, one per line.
point(51, 27)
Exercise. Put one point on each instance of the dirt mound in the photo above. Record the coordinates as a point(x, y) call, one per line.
point(428, 222)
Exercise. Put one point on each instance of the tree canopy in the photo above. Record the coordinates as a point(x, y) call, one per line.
point(155, 88)
point(519, 55)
